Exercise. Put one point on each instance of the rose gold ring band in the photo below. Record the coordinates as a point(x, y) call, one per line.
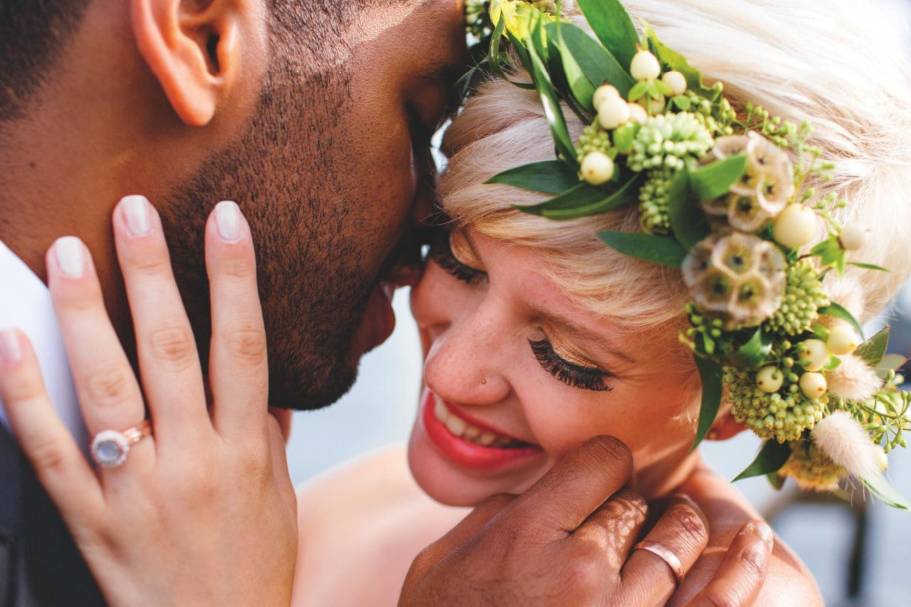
point(665, 554)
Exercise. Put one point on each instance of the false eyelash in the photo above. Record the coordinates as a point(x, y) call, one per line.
point(441, 254)
point(577, 376)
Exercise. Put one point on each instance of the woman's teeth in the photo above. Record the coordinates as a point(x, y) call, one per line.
point(459, 427)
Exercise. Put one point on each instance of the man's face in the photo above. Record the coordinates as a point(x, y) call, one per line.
point(328, 174)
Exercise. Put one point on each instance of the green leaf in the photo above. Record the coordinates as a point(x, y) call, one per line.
point(771, 458)
point(550, 177)
point(833, 363)
point(496, 59)
point(624, 137)
point(638, 91)
point(675, 61)
point(682, 102)
point(613, 27)
point(880, 487)
point(688, 223)
point(755, 351)
point(710, 374)
point(830, 254)
point(868, 266)
point(647, 247)
point(582, 88)
point(776, 480)
point(873, 350)
point(715, 180)
point(625, 195)
point(839, 311)
point(552, 111)
point(596, 62)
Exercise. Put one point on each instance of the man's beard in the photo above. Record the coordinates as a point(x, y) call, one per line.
point(313, 288)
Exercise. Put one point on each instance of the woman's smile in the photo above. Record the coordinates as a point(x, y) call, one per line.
point(471, 443)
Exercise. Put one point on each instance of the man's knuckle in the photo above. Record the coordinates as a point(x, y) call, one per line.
point(689, 523)
point(610, 449)
point(717, 597)
point(109, 386)
point(172, 345)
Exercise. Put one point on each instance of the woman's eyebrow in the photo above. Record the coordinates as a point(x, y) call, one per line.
point(568, 326)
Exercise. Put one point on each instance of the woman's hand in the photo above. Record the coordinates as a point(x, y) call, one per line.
point(203, 511)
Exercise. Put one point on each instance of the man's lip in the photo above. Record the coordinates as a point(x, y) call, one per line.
point(468, 454)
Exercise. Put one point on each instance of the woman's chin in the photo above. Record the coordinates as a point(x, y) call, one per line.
point(447, 484)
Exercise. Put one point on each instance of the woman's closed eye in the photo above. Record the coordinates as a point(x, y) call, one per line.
point(571, 374)
point(442, 255)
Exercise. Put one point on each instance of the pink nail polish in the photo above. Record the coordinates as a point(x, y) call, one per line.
point(10, 347)
point(227, 220)
point(69, 253)
point(137, 214)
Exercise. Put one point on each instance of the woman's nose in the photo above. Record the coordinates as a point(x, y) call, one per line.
point(464, 362)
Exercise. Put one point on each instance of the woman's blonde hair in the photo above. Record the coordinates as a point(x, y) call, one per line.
point(839, 65)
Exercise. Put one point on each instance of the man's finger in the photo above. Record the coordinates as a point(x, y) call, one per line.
point(743, 571)
point(670, 549)
point(574, 488)
point(615, 526)
point(44, 439)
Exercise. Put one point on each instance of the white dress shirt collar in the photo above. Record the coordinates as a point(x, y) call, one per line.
point(26, 304)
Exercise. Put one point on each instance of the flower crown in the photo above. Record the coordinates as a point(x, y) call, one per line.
point(725, 197)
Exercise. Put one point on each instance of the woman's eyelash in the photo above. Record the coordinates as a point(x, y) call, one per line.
point(441, 254)
point(577, 376)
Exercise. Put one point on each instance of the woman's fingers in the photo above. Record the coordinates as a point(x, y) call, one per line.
point(668, 551)
point(743, 571)
point(168, 360)
point(238, 370)
point(44, 439)
point(105, 385)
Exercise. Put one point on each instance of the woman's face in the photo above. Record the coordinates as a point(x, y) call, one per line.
point(516, 374)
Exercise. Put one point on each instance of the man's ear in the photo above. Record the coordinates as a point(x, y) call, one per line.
point(725, 427)
point(198, 50)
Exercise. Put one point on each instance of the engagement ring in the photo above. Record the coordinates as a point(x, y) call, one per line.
point(110, 447)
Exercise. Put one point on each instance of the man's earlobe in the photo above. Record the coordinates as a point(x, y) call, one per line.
point(198, 49)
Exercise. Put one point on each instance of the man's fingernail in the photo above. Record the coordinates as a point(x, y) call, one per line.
point(10, 347)
point(763, 531)
point(70, 258)
point(227, 220)
point(137, 214)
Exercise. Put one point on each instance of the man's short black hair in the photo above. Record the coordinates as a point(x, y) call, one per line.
point(32, 32)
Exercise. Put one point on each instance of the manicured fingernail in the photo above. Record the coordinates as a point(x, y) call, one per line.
point(227, 220)
point(70, 258)
point(137, 214)
point(10, 348)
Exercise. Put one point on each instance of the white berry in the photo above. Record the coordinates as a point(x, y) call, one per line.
point(769, 379)
point(796, 226)
point(613, 112)
point(813, 385)
point(812, 354)
point(675, 81)
point(852, 237)
point(843, 339)
point(597, 168)
point(637, 113)
point(605, 91)
point(645, 66)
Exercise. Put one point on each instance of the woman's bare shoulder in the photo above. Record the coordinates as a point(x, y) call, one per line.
point(365, 520)
point(789, 582)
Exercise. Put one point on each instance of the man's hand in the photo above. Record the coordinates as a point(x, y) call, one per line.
point(566, 541)
point(569, 541)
